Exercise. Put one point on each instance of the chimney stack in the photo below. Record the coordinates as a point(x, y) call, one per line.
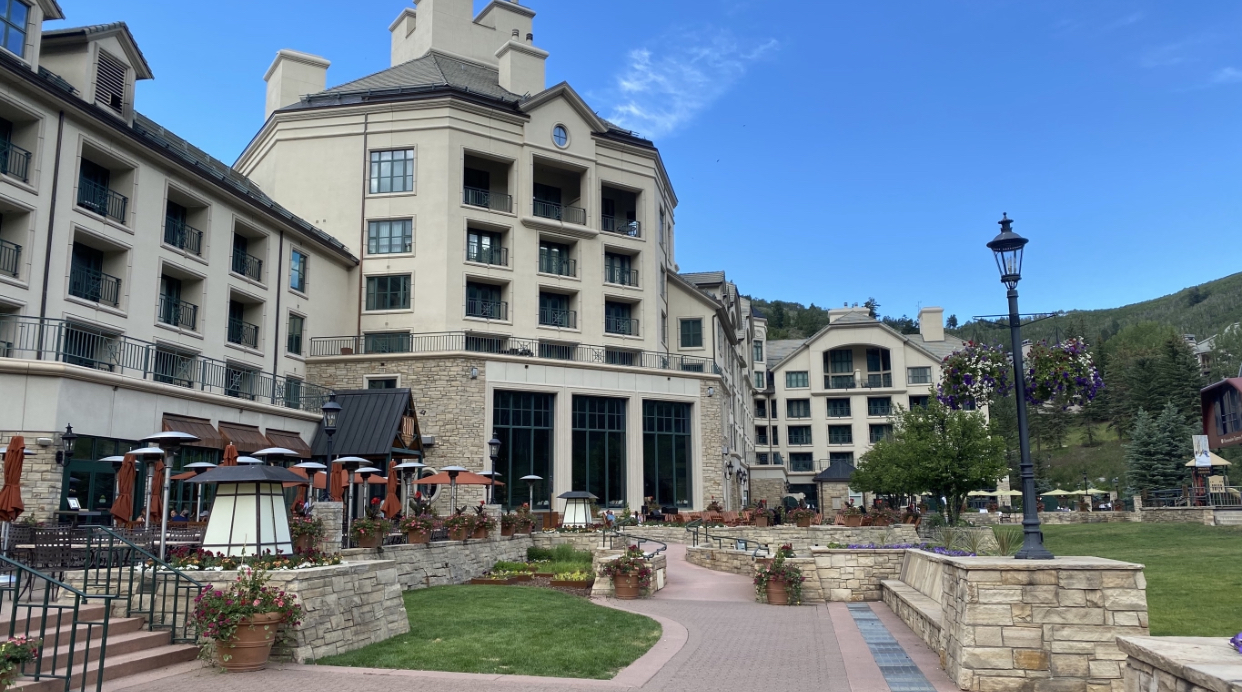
point(293, 74)
point(403, 44)
point(931, 324)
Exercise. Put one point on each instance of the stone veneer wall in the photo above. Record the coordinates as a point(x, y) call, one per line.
point(711, 438)
point(802, 540)
point(332, 514)
point(1054, 518)
point(769, 489)
point(347, 606)
point(1180, 664)
point(450, 405)
point(444, 562)
point(722, 560)
point(855, 575)
point(1179, 515)
point(41, 476)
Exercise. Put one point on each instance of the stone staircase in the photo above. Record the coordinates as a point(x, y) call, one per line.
point(130, 649)
point(1228, 517)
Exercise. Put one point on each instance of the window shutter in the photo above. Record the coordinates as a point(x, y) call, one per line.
point(110, 82)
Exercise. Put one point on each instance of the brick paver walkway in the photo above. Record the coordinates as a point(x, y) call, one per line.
point(716, 638)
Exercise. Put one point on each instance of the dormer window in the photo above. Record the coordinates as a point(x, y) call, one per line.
point(13, 21)
point(109, 82)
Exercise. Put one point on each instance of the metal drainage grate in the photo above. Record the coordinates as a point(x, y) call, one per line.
point(901, 674)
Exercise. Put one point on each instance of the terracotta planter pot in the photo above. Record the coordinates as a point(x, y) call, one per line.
point(625, 586)
point(761, 522)
point(778, 592)
point(507, 530)
point(881, 521)
point(251, 645)
point(480, 533)
point(528, 527)
point(804, 523)
point(416, 537)
point(303, 544)
point(371, 541)
point(853, 520)
point(457, 534)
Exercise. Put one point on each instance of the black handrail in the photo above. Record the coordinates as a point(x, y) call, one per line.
point(697, 524)
point(14, 161)
point(161, 593)
point(608, 540)
point(10, 258)
point(182, 235)
point(102, 200)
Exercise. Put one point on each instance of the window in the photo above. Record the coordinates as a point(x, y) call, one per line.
point(798, 408)
point(762, 458)
point(840, 364)
point(297, 271)
point(1228, 412)
point(761, 434)
point(692, 333)
point(294, 342)
point(619, 269)
point(599, 448)
point(840, 435)
point(879, 432)
point(835, 458)
point(760, 380)
point(796, 380)
point(667, 453)
point(775, 409)
point(799, 435)
point(382, 383)
point(560, 136)
point(801, 462)
point(390, 237)
point(483, 300)
point(109, 81)
point(522, 422)
point(392, 171)
point(13, 23)
point(839, 408)
point(390, 292)
point(879, 406)
point(617, 319)
point(761, 408)
point(757, 349)
point(484, 247)
point(661, 228)
point(918, 375)
point(554, 259)
point(554, 311)
point(663, 328)
point(879, 368)
point(919, 401)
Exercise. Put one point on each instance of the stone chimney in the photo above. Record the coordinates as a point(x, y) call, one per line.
point(931, 324)
point(522, 68)
point(292, 76)
point(402, 30)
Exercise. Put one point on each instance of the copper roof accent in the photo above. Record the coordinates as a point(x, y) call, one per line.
point(246, 438)
point(198, 427)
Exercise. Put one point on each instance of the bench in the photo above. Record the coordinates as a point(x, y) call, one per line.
point(920, 613)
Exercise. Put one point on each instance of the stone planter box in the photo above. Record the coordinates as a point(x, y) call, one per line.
point(572, 584)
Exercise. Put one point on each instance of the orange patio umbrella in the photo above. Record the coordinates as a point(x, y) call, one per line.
point(230, 455)
point(337, 488)
point(155, 503)
point(123, 506)
point(392, 504)
point(11, 505)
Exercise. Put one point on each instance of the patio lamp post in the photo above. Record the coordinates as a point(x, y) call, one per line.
point(408, 470)
point(330, 410)
point(310, 468)
point(530, 489)
point(452, 472)
point(1007, 248)
point(67, 440)
point(199, 468)
point(169, 441)
point(350, 464)
point(493, 452)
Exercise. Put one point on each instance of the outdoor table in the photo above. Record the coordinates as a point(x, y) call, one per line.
point(76, 515)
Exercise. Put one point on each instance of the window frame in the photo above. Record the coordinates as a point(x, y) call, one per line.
point(376, 164)
point(681, 332)
point(407, 246)
point(301, 335)
point(877, 403)
point(756, 351)
point(849, 410)
point(804, 436)
point(8, 25)
point(803, 405)
point(805, 379)
point(923, 369)
point(369, 306)
point(298, 269)
point(835, 432)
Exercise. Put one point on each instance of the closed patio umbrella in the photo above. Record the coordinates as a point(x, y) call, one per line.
point(230, 455)
point(155, 503)
point(337, 487)
point(123, 507)
point(392, 503)
point(11, 505)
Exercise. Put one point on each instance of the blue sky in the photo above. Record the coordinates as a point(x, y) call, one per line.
point(829, 151)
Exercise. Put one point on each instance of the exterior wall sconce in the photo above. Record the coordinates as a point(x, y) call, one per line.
point(711, 391)
point(474, 373)
point(65, 453)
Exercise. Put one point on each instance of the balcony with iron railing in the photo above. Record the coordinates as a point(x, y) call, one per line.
point(10, 258)
point(625, 326)
point(631, 228)
point(487, 309)
point(243, 333)
point(552, 210)
point(75, 344)
point(557, 266)
point(101, 200)
point(464, 342)
point(493, 255)
point(801, 465)
point(14, 161)
point(247, 265)
point(94, 286)
point(556, 317)
point(178, 313)
point(622, 276)
point(183, 236)
point(496, 201)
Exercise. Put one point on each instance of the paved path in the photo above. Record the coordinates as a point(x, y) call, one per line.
point(716, 637)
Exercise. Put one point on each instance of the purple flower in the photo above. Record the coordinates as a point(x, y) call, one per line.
point(1236, 642)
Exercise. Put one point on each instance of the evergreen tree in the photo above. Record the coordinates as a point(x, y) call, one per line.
point(1178, 380)
point(1158, 451)
point(1226, 353)
point(1140, 454)
point(951, 323)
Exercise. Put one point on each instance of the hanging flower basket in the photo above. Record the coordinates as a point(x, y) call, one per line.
point(974, 374)
point(1062, 373)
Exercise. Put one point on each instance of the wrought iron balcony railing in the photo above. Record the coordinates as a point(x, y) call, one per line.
point(496, 201)
point(247, 265)
point(94, 286)
point(487, 309)
point(555, 317)
point(14, 161)
point(10, 258)
point(244, 333)
point(495, 255)
point(610, 224)
point(552, 210)
point(101, 200)
point(620, 275)
point(178, 313)
point(181, 235)
point(627, 326)
point(560, 267)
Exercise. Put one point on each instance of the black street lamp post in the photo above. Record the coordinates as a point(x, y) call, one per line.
point(330, 411)
point(1007, 247)
point(493, 451)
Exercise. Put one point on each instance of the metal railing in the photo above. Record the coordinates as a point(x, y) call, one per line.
point(14, 161)
point(699, 534)
point(247, 265)
point(182, 235)
point(94, 286)
point(839, 382)
point(879, 381)
point(552, 210)
point(50, 611)
point(178, 313)
point(611, 538)
point(555, 317)
point(101, 200)
point(496, 201)
point(244, 333)
point(621, 325)
point(487, 309)
point(443, 342)
point(560, 267)
point(496, 255)
point(161, 594)
point(75, 344)
point(633, 229)
point(10, 258)
point(620, 275)
point(1212, 496)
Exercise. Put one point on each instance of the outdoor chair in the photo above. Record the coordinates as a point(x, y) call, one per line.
point(840, 519)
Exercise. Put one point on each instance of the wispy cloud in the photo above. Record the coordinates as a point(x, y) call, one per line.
point(661, 89)
point(1122, 22)
point(1226, 75)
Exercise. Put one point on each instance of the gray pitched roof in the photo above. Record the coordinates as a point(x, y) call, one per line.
point(839, 471)
point(70, 32)
point(369, 422)
point(699, 278)
point(855, 318)
point(779, 349)
point(433, 69)
point(940, 349)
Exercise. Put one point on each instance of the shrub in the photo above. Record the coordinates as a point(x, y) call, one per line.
point(779, 569)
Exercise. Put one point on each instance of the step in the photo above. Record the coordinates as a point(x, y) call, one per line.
point(93, 612)
point(1228, 517)
point(115, 667)
point(131, 637)
point(56, 637)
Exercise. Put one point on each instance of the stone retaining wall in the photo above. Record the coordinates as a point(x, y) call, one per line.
point(1055, 518)
point(722, 560)
point(855, 575)
point(802, 540)
point(1181, 664)
point(603, 585)
point(444, 562)
point(1180, 515)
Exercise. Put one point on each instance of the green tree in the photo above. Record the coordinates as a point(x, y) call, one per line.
point(1226, 353)
point(933, 449)
point(1179, 379)
point(951, 323)
point(1158, 451)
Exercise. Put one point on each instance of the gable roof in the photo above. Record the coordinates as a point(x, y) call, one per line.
point(837, 471)
point(563, 90)
point(368, 424)
point(699, 278)
point(71, 35)
point(779, 349)
point(935, 349)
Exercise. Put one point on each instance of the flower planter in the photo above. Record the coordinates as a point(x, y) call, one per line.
point(250, 647)
point(496, 582)
point(572, 584)
point(416, 537)
point(625, 587)
point(804, 522)
point(881, 521)
point(528, 527)
point(303, 544)
point(457, 534)
point(522, 577)
point(761, 522)
point(506, 531)
point(778, 593)
point(371, 541)
point(853, 520)
point(479, 533)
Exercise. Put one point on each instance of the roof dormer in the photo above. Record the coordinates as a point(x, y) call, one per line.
point(102, 62)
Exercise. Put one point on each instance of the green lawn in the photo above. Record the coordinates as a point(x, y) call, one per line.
point(1194, 584)
point(515, 630)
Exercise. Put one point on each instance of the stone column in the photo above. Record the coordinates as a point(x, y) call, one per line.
point(332, 516)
